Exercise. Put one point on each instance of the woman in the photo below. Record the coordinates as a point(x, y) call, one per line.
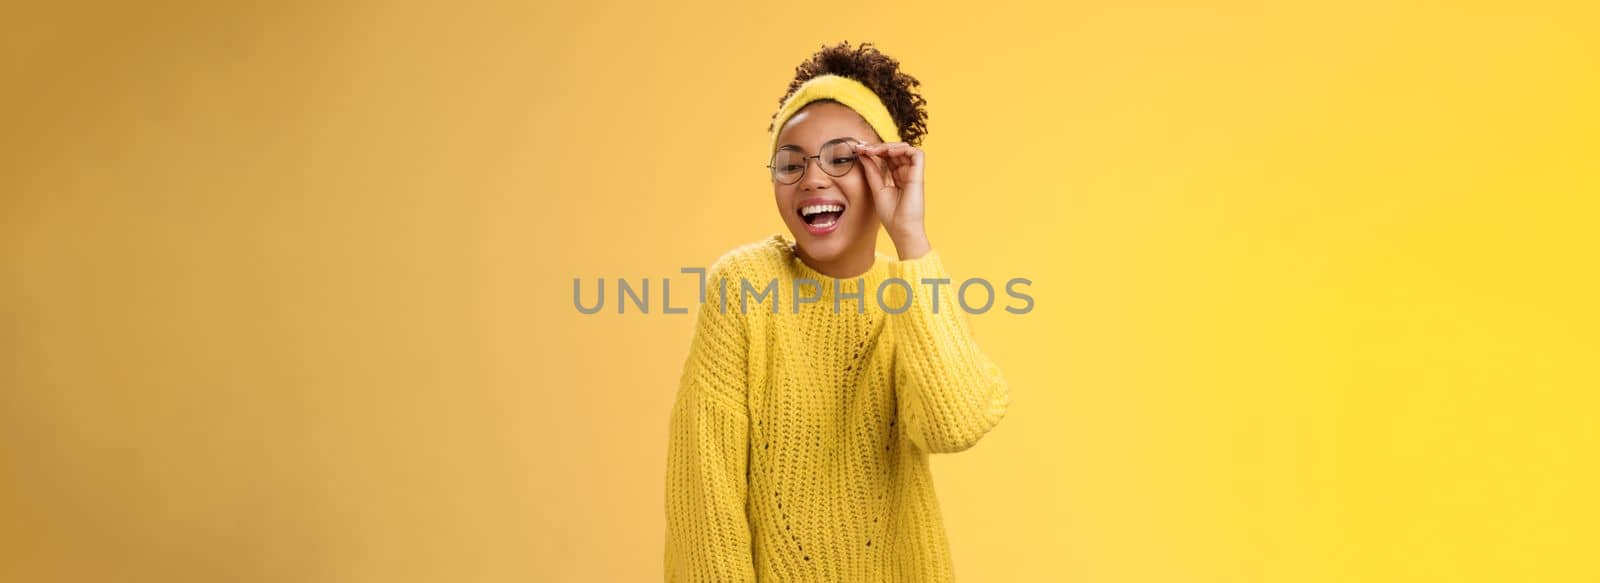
point(800, 436)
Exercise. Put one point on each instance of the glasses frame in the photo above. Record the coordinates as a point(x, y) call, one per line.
point(805, 163)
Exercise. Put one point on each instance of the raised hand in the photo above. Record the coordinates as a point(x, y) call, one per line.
point(894, 175)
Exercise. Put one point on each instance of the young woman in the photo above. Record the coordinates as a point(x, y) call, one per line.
point(816, 385)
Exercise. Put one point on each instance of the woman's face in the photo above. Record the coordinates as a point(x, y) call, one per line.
point(827, 237)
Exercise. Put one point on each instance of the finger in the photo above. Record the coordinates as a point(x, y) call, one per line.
point(893, 153)
point(883, 193)
point(897, 165)
point(884, 145)
point(896, 169)
point(908, 161)
point(895, 149)
point(876, 178)
point(901, 151)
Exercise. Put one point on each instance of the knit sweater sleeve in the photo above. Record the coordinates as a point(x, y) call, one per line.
point(708, 532)
point(949, 393)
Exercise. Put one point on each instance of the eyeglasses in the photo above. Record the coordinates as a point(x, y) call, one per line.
point(835, 158)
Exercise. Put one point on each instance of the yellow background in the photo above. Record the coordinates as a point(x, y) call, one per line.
point(285, 290)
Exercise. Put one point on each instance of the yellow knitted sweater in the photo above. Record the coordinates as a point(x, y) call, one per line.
point(798, 445)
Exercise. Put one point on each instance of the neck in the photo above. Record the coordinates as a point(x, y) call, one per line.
point(851, 263)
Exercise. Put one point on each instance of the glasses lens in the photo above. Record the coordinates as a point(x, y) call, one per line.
point(787, 166)
point(837, 158)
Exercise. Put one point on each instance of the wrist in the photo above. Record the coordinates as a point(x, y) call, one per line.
point(910, 243)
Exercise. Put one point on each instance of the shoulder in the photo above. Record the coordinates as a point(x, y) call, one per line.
point(755, 262)
point(768, 258)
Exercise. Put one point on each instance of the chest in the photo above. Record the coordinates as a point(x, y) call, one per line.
point(822, 381)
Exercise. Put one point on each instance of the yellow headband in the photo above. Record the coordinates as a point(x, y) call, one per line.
point(844, 90)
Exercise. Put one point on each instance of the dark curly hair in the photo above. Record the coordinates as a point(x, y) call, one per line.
point(880, 73)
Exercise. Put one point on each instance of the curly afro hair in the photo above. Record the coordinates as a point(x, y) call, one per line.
point(880, 73)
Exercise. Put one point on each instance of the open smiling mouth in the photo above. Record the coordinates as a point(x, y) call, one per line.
point(821, 218)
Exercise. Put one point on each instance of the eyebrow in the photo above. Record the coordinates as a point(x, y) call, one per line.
point(802, 150)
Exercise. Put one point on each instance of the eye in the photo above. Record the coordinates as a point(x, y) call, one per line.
point(789, 167)
point(844, 159)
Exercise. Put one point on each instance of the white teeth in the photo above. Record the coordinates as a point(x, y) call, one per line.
point(820, 208)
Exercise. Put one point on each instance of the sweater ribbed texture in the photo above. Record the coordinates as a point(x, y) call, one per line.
point(799, 442)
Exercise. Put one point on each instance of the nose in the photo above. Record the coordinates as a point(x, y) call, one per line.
point(814, 178)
